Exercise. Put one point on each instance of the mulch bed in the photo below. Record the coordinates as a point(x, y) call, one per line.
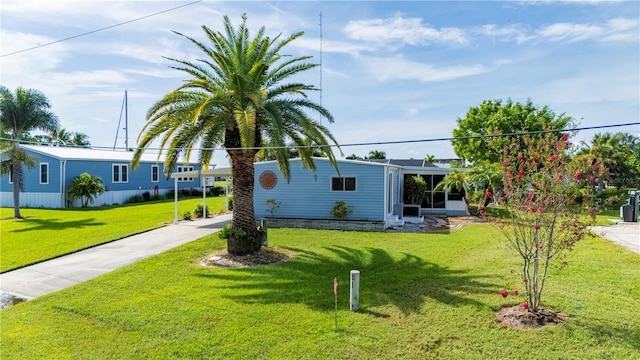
point(266, 256)
point(519, 318)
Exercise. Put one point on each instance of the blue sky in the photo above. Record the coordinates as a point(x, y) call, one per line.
point(391, 71)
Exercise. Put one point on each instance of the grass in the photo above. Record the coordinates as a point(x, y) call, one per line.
point(45, 233)
point(423, 296)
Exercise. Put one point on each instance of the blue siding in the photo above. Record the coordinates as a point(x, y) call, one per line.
point(308, 195)
point(32, 176)
point(139, 178)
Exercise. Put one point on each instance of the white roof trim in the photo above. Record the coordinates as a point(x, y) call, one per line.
point(203, 173)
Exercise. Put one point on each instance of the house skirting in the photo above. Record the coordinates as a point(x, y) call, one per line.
point(326, 224)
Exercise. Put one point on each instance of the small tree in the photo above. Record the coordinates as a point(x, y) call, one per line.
point(415, 189)
point(545, 201)
point(86, 188)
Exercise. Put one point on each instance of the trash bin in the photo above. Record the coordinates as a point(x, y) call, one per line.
point(626, 211)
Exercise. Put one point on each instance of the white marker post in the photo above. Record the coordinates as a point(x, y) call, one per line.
point(354, 293)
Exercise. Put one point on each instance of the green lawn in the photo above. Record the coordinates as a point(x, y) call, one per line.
point(423, 296)
point(47, 233)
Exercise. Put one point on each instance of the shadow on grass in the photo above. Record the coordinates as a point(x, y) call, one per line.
point(406, 282)
point(608, 329)
point(32, 224)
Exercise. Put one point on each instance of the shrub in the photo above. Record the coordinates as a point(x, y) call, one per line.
point(227, 232)
point(134, 199)
point(186, 215)
point(199, 210)
point(230, 203)
point(272, 206)
point(415, 189)
point(341, 210)
point(146, 196)
point(216, 191)
point(86, 188)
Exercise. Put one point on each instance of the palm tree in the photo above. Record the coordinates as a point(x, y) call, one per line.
point(430, 158)
point(237, 98)
point(24, 111)
point(80, 139)
point(377, 154)
point(455, 180)
point(60, 137)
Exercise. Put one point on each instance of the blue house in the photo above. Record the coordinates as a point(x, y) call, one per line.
point(374, 189)
point(46, 185)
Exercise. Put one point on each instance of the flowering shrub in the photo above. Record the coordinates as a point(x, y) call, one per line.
point(545, 194)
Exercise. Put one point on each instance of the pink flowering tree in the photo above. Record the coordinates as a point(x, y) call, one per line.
point(547, 197)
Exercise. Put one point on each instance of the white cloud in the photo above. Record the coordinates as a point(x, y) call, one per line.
point(393, 68)
point(568, 32)
point(513, 32)
point(617, 29)
point(402, 31)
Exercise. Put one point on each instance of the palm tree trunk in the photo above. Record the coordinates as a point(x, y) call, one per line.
point(16, 178)
point(243, 212)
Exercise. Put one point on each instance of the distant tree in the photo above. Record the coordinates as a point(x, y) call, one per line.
point(86, 188)
point(377, 154)
point(353, 157)
point(21, 112)
point(472, 139)
point(620, 154)
point(80, 139)
point(430, 158)
point(60, 137)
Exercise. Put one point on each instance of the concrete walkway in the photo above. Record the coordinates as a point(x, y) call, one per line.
point(626, 234)
point(56, 274)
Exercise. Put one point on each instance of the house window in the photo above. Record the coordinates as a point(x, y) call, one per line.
point(185, 169)
point(120, 173)
point(44, 173)
point(432, 199)
point(343, 184)
point(155, 173)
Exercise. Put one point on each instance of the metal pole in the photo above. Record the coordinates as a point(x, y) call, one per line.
point(354, 292)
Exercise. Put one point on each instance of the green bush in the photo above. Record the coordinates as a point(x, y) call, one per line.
point(137, 198)
point(230, 203)
point(186, 215)
point(227, 231)
point(199, 210)
point(216, 191)
point(341, 210)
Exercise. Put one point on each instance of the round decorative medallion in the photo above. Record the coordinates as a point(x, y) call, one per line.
point(268, 179)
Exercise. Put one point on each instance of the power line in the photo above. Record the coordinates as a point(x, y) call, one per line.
point(377, 142)
point(98, 30)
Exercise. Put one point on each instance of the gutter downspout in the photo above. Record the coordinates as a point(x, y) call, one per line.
point(63, 187)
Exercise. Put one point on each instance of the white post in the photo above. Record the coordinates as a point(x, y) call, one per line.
point(203, 181)
point(354, 292)
point(175, 201)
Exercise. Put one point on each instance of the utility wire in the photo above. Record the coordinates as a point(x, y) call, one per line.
point(373, 143)
point(98, 30)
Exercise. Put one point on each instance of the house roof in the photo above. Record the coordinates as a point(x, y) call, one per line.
point(339, 161)
point(404, 162)
point(76, 153)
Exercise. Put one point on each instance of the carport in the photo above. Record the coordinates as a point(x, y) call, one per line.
point(202, 174)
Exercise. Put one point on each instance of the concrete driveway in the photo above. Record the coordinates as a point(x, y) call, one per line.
point(59, 273)
point(626, 234)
